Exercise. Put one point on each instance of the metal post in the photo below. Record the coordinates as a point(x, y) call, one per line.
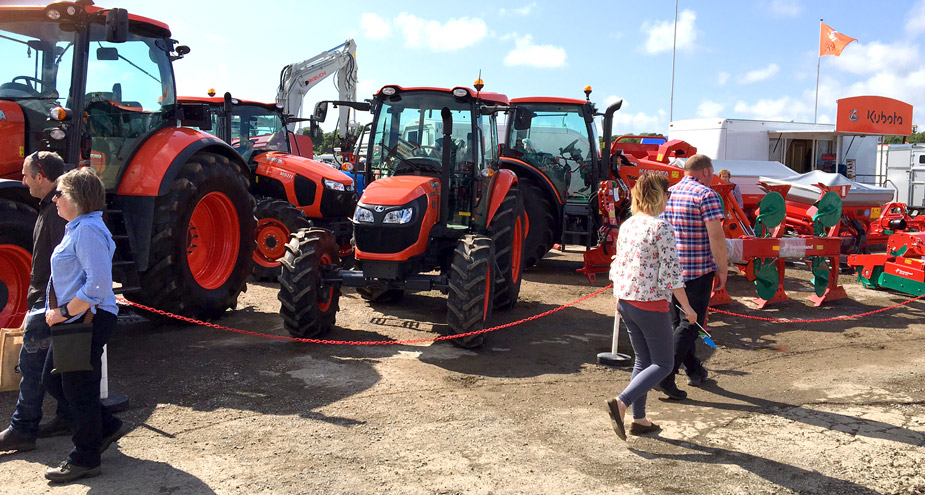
point(674, 44)
point(614, 358)
point(818, 65)
point(113, 402)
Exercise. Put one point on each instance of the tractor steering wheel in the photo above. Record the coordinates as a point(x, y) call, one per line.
point(427, 151)
point(33, 87)
point(570, 148)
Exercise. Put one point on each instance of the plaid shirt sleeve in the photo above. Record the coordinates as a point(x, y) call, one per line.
point(711, 207)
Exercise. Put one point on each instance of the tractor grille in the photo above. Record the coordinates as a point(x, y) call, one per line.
point(381, 238)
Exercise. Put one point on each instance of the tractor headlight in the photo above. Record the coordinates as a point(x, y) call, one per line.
point(401, 216)
point(333, 184)
point(362, 215)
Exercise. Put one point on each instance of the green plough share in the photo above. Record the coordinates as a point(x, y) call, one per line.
point(772, 214)
point(766, 277)
point(820, 278)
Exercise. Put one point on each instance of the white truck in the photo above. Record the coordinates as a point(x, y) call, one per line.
point(902, 167)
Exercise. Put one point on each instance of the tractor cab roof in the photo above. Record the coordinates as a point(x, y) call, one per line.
point(217, 100)
point(486, 97)
point(139, 24)
point(547, 99)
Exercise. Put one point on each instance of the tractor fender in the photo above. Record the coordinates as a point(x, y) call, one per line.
point(150, 173)
point(15, 190)
point(503, 181)
point(524, 169)
point(157, 162)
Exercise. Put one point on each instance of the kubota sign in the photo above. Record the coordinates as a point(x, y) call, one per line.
point(874, 115)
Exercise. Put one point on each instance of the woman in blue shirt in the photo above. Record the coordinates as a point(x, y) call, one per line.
point(81, 282)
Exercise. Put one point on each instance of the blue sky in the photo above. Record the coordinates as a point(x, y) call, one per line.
point(735, 59)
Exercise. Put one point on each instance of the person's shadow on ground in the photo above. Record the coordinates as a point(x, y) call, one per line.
point(790, 477)
point(851, 425)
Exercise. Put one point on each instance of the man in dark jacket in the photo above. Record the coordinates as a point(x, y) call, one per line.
point(40, 171)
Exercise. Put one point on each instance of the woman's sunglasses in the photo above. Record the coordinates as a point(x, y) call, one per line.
point(58, 194)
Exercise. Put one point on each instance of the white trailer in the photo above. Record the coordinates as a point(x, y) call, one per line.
point(801, 146)
point(903, 168)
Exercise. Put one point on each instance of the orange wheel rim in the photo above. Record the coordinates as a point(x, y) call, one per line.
point(324, 306)
point(518, 248)
point(213, 240)
point(15, 268)
point(272, 236)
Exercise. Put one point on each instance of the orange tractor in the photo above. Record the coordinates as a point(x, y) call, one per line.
point(293, 192)
point(177, 198)
point(437, 214)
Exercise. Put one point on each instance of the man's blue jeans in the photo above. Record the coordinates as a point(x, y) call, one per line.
point(28, 414)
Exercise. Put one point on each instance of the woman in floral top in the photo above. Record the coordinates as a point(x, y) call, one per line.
point(646, 272)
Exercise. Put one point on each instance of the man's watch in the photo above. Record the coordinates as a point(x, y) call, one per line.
point(64, 312)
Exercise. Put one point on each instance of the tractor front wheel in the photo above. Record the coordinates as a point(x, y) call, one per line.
point(276, 219)
point(471, 288)
point(540, 213)
point(309, 305)
point(507, 230)
point(202, 240)
point(16, 224)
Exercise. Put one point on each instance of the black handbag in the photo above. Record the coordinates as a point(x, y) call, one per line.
point(71, 342)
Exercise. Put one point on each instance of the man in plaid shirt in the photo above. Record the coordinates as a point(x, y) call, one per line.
point(696, 213)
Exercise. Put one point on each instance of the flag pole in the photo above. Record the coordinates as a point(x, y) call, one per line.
point(818, 65)
point(674, 44)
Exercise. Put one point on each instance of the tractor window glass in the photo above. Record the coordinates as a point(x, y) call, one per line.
point(409, 137)
point(558, 144)
point(257, 129)
point(35, 72)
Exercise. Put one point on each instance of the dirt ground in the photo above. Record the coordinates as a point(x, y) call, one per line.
point(832, 407)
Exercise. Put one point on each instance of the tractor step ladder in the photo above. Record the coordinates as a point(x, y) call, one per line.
point(578, 226)
point(124, 270)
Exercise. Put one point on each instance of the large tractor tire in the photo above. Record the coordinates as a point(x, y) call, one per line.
point(542, 223)
point(507, 230)
point(381, 296)
point(471, 288)
point(16, 224)
point(276, 220)
point(309, 306)
point(202, 242)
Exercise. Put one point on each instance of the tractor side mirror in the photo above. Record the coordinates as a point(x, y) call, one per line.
point(523, 119)
point(107, 53)
point(314, 130)
point(116, 26)
point(321, 111)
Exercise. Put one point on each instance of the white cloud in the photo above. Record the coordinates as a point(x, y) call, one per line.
point(543, 56)
point(521, 11)
point(722, 78)
point(875, 58)
point(915, 20)
point(453, 35)
point(374, 27)
point(784, 108)
point(759, 74)
point(660, 34)
point(786, 8)
point(709, 108)
point(634, 123)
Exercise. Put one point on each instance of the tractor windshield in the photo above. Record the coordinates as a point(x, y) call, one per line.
point(558, 144)
point(129, 86)
point(254, 129)
point(407, 136)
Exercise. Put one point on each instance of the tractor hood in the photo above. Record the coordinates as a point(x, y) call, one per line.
point(302, 166)
point(399, 190)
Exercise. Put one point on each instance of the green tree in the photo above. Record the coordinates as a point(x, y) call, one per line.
point(323, 145)
point(918, 137)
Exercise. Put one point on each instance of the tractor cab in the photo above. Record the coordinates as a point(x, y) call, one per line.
point(87, 83)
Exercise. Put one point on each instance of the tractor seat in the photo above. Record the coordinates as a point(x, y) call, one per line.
point(16, 90)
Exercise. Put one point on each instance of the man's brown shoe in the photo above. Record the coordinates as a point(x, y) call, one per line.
point(68, 472)
point(55, 428)
point(12, 440)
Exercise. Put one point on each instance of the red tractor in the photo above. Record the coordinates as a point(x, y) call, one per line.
point(436, 214)
point(293, 192)
point(177, 198)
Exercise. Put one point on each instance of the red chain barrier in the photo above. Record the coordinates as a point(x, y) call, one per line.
point(817, 320)
point(357, 342)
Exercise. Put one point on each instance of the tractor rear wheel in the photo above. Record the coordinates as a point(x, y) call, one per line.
point(276, 220)
point(16, 224)
point(381, 296)
point(471, 288)
point(202, 240)
point(540, 212)
point(309, 306)
point(507, 233)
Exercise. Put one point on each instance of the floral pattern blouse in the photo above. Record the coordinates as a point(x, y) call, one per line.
point(646, 267)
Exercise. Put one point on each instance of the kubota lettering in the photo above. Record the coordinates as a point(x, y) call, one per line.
point(882, 118)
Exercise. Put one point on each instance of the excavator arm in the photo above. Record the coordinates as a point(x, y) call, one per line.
point(295, 80)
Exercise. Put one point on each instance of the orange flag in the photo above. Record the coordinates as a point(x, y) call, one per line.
point(831, 42)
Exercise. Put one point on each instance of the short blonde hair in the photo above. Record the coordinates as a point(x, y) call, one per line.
point(724, 172)
point(84, 189)
point(649, 194)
